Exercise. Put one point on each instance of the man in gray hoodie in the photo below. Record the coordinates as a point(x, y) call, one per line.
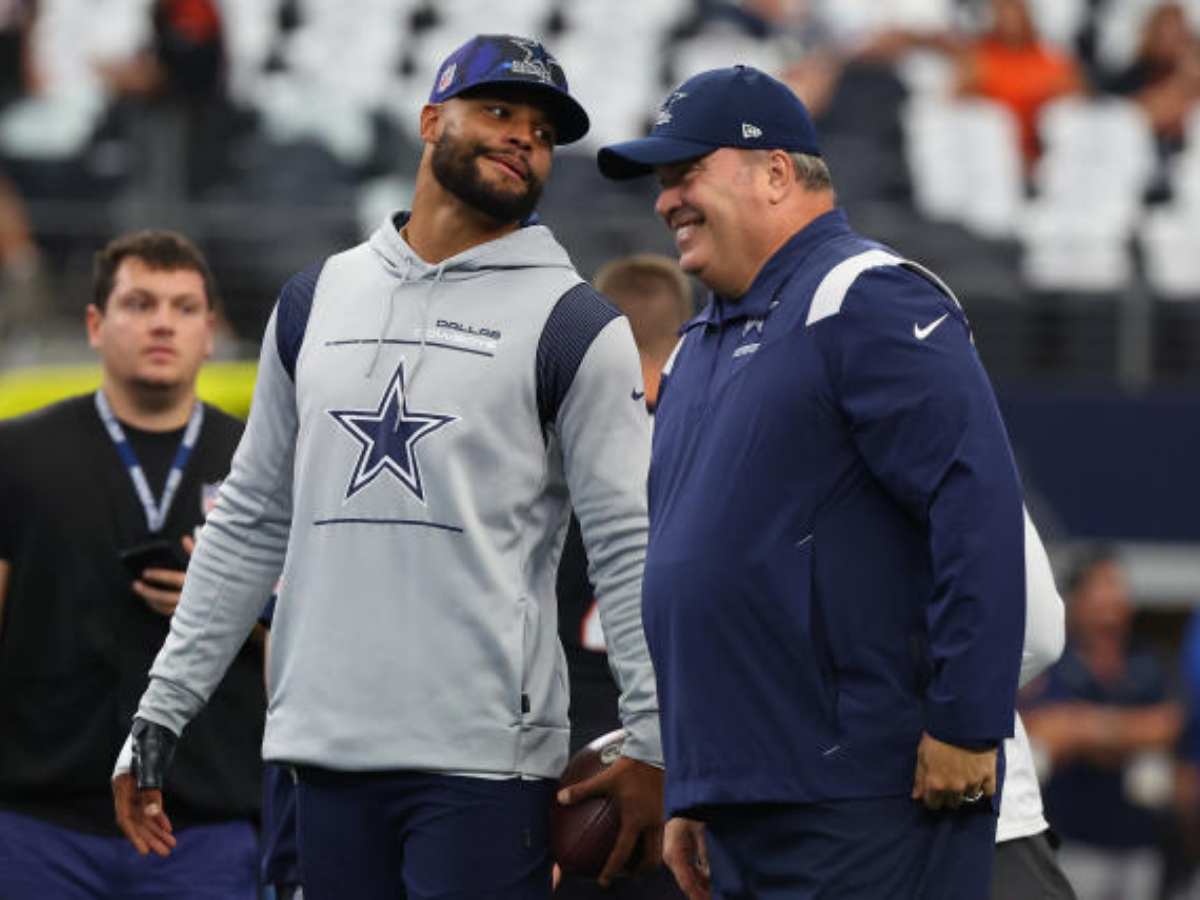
point(430, 405)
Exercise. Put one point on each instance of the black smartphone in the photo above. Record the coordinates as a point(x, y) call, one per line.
point(158, 554)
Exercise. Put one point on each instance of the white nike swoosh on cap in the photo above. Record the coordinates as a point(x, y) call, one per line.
point(921, 333)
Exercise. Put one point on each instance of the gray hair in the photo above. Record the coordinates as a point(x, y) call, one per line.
point(811, 171)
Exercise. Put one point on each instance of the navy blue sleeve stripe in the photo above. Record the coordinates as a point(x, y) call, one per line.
point(291, 319)
point(579, 315)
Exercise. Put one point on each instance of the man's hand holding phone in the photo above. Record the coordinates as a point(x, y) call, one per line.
point(157, 570)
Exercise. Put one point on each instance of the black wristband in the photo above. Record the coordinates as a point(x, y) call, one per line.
point(153, 749)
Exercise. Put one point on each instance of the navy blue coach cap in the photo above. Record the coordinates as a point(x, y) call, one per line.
point(737, 107)
point(504, 59)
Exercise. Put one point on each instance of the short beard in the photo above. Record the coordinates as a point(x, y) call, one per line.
point(454, 167)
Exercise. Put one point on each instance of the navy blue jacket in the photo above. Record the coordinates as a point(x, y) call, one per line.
point(835, 561)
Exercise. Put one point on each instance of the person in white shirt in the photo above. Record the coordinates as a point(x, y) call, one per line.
point(1025, 865)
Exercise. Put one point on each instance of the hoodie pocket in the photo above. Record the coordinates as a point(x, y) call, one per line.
point(522, 702)
point(543, 694)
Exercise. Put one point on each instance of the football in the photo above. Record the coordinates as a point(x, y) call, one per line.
point(583, 835)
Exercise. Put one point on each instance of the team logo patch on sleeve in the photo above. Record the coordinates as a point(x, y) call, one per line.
point(208, 497)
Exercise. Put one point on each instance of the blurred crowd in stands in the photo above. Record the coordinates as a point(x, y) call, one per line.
point(1021, 147)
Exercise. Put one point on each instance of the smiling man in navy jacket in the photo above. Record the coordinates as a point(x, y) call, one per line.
point(834, 585)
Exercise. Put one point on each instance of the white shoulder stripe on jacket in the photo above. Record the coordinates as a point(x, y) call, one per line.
point(831, 292)
point(670, 363)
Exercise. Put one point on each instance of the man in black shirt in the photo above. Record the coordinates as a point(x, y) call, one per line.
point(100, 495)
point(656, 297)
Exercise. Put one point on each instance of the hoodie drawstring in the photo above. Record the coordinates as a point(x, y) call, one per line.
point(388, 313)
point(426, 304)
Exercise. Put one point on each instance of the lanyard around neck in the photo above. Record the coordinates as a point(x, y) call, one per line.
point(156, 513)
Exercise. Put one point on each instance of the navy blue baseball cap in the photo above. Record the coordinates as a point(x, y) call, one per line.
point(735, 107)
point(504, 59)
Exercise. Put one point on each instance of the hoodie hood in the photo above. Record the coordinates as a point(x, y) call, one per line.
point(529, 247)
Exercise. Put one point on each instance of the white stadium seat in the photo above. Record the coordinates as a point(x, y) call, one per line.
point(1098, 157)
point(965, 163)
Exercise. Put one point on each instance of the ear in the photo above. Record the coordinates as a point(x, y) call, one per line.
point(93, 320)
point(211, 322)
point(781, 176)
point(432, 122)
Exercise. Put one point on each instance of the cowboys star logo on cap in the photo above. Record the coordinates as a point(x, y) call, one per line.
point(538, 68)
point(664, 111)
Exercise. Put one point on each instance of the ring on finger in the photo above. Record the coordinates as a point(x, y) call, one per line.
point(974, 796)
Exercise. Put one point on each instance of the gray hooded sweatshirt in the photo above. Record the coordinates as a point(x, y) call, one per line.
point(418, 437)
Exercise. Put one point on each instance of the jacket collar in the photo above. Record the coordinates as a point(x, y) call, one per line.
point(756, 302)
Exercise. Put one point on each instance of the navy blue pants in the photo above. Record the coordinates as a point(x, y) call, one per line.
point(39, 860)
point(889, 847)
point(280, 859)
point(657, 885)
point(415, 836)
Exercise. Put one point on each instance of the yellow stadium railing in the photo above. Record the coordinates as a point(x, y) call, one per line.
point(226, 385)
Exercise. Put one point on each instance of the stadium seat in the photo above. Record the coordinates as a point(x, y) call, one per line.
point(965, 163)
point(1168, 241)
point(1058, 21)
point(927, 73)
point(1119, 31)
point(1098, 158)
point(1065, 250)
point(619, 107)
point(716, 48)
point(855, 20)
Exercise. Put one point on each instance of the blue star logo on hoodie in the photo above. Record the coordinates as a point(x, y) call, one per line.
point(388, 437)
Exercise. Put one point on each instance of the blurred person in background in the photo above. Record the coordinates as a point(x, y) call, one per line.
point(16, 16)
point(1187, 772)
point(183, 59)
point(83, 482)
point(1103, 717)
point(19, 257)
point(1164, 77)
point(1026, 864)
point(179, 79)
point(430, 405)
point(1010, 64)
point(846, 77)
point(654, 294)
